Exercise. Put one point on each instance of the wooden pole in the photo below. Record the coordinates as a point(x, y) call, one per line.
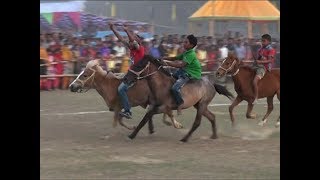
point(250, 29)
point(264, 28)
point(211, 28)
point(191, 29)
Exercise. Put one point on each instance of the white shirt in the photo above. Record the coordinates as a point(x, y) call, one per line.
point(121, 51)
point(223, 52)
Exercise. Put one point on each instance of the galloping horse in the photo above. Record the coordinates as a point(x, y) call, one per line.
point(197, 93)
point(106, 84)
point(242, 77)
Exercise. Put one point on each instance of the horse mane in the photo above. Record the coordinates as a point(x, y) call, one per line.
point(156, 62)
point(99, 69)
point(92, 63)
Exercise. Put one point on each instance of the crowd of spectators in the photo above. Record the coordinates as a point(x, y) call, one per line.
point(66, 55)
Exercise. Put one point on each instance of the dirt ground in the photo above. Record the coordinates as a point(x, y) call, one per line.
point(78, 142)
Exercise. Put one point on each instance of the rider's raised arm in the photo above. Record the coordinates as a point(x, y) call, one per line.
point(117, 34)
point(130, 36)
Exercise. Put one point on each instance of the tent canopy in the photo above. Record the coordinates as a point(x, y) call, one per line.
point(65, 20)
point(101, 34)
point(260, 10)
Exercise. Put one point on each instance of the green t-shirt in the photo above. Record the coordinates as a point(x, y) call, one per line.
point(193, 67)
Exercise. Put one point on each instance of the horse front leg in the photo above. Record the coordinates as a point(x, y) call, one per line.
point(148, 116)
point(169, 112)
point(150, 126)
point(278, 122)
point(175, 123)
point(231, 107)
point(117, 118)
point(165, 121)
point(249, 113)
point(270, 108)
point(195, 125)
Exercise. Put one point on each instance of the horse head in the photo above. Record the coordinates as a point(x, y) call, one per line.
point(228, 65)
point(86, 78)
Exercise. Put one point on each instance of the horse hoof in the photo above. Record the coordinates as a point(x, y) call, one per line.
point(151, 132)
point(183, 140)
point(131, 136)
point(277, 124)
point(252, 116)
point(261, 123)
point(214, 137)
point(178, 126)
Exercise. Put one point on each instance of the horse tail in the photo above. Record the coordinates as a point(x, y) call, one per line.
point(224, 91)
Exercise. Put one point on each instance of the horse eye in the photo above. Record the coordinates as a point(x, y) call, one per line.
point(85, 75)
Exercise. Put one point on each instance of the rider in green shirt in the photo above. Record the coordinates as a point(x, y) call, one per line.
point(189, 68)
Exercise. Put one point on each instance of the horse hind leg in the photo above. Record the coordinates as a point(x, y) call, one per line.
point(270, 108)
point(211, 117)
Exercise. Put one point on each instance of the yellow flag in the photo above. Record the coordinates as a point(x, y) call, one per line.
point(173, 14)
point(113, 10)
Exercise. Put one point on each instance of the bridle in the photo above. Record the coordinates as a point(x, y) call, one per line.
point(229, 69)
point(83, 82)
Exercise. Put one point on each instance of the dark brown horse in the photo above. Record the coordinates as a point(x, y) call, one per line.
point(197, 93)
point(242, 77)
point(106, 84)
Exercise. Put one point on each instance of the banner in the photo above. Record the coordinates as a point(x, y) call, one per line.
point(75, 17)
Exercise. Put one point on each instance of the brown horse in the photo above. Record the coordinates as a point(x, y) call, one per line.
point(197, 93)
point(106, 84)
point(242, 77)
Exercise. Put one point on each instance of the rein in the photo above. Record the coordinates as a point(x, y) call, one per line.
point(148, 74)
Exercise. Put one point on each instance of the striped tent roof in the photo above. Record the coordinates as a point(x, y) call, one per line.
point(65, 20)
point(260, 10)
